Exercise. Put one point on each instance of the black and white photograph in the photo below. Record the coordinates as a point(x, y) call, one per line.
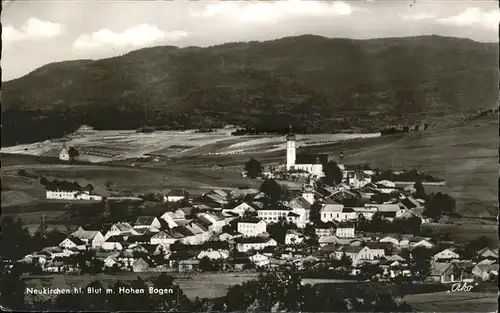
point(249, 156)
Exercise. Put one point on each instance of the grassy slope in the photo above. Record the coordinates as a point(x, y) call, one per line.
point(454, 302)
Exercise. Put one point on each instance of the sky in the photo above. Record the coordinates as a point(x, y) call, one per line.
point(39, 32)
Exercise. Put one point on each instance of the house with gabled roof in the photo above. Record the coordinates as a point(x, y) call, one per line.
point(241, 208)
point(172, 219)
point(239, 193)
point(254, 243)
point(121, 228)
point(358, 253)
point(331, 211)
point(217, 219)
point(72, 243)
point(487, 253)
point(251, 227)
point(446, 255)
point(165, 238)
point(113, 243)
point(147, 222)
point(450, 272)
point(93, 238)
point(486, 270)
point(142, 264)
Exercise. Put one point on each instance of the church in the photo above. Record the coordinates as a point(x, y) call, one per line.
point(313, 164)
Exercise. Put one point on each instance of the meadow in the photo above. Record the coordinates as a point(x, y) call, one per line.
point(199, 285)
point(454, 301)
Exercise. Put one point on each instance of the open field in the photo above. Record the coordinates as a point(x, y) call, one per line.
point(200, 285)
point(103, 146)
point(454, 302)
point(466, 232)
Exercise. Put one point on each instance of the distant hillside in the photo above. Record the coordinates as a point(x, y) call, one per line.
point(316, 83)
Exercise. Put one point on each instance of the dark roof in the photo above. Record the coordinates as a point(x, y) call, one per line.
point(115, 238)
point(252, 240)
point(379, 245)
point(184, 231)
point(140, 238)
point(252, 220)
point(348, 210)
point(144, 220)
point(293, 214)
point(76, 241)
point(345, 225)
point(202, 220)
point(350, 249)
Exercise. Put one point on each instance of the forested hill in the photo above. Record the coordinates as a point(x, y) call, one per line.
point(320, 83)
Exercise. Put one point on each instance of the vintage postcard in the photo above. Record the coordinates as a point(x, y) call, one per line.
point(237, 156)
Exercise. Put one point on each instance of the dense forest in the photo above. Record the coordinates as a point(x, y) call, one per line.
point(316, 83)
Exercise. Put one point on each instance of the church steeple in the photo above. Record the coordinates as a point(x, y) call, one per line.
point(291, 135)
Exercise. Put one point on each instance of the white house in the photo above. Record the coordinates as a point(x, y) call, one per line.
point(87, 195)
point(446, 254)
point(357, 253)
point(292, 238)
point(217, 220)
point(251, 227)
point(345, 230)
point(72, 242)
point(121, 228)
point(64, 154)
point(90, 237)
point(273, 215)
point(256, 243)
point(331, 212)
point(61, 194)
point(67, 194)
point(175, 196)
point(240, 209)
point(163, 238)
point(260, 260)
point(113, 243)
point(213, 254)
point(324, 231)
point(172, 219)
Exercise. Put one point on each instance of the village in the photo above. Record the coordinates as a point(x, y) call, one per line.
point(343, 222)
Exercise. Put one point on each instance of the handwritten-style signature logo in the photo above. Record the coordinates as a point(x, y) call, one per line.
point(458, 287)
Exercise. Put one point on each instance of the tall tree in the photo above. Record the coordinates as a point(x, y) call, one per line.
point(253, 168)
point(333, 173)
point(73, 153)
point(419, 190)
point(272, 189)
point(12, 288)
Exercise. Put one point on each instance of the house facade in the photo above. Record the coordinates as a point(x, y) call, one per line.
point(251, 227)
point(345, 230)
point(331, 212)
point(255, 244)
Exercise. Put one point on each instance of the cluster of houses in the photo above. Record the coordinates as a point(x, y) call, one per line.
point(230, 228)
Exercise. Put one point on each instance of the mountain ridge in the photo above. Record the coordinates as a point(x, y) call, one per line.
point(319, 83)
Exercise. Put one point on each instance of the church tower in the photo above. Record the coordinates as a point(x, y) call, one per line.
point(290, 149)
